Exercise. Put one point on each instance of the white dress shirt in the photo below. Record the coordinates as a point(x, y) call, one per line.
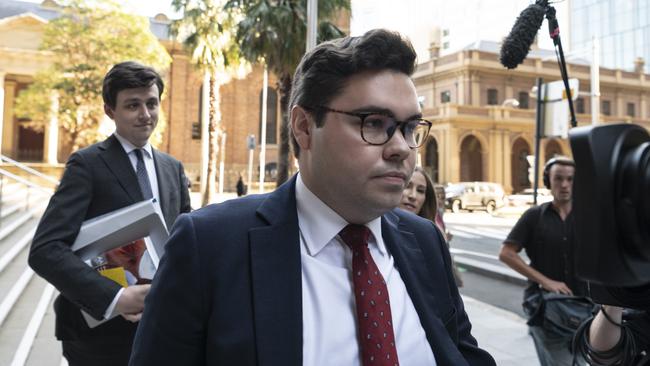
point(147, 157)
point(330, 333)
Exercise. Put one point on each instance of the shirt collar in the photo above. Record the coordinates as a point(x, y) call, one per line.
point(128, 146)
point(319, 224)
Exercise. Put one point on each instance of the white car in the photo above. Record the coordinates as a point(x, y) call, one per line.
point(525, 197)
point(474, 196)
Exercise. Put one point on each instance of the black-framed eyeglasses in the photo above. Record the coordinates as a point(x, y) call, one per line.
point(377, 128)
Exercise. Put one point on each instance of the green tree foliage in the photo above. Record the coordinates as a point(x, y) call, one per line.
point(207, 31)
point(85, 42)
point(274, 31)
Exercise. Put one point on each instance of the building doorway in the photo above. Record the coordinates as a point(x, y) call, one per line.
point(471, 160)
point(30, 145)
point(553, 148)
point(519, 165)
point(431, 160)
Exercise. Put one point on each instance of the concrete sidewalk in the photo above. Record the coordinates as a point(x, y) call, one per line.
point(502, 333)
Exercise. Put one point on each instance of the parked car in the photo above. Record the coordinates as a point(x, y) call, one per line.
point(525, 197)
point(474, 196)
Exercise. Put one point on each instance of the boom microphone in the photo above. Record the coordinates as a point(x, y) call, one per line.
point(517, 44)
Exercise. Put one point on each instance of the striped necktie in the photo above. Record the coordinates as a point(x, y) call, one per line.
point(143, 177)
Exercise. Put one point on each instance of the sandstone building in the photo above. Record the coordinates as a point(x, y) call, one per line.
point(477, 133)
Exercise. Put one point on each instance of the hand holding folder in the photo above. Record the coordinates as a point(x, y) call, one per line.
point(144, 232)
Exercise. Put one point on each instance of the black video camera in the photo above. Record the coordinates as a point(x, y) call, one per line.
point(611, 202)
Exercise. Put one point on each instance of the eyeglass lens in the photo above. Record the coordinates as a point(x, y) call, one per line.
point(378, 129)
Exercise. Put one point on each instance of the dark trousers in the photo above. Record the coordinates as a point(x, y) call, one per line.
point(96, 353)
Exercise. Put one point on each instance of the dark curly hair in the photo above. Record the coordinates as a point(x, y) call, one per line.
point(129, 75)
point(323, 71)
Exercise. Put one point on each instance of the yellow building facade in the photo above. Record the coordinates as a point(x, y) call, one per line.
point(183, 104)
point(477, 133)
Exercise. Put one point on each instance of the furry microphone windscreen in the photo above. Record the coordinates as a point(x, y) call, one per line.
point(516, 45)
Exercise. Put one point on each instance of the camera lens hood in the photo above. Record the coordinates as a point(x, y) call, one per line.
point(611, 203)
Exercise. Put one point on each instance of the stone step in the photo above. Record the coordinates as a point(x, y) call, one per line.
point(46, 349)
point(15, 326)
point(26, 313)
point(16, 241)
point(15, 275)
point(17, 220)
point(9, 185)
point(37, 342)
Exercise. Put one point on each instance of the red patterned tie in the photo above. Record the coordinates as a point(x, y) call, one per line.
point(376, 337)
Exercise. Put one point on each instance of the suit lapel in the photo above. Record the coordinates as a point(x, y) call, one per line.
point(428, 291)
point(119, 164)
point(410, 262)
point(277, 281)
point(165, 176)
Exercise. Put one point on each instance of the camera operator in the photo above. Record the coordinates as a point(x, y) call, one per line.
point(612, 209)
point(547, 234)
point(616, 336)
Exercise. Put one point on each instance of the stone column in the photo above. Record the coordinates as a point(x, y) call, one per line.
point(2, 104)
point(8, 130)
point(643, 105)
point(493, 156)
point(453, 155)
point(51, 142)
point(475, 96)
point(443, 156)
point(507, 161)
point(620, 110)
point(461, 87)
point(508, 92)
point(486, 169)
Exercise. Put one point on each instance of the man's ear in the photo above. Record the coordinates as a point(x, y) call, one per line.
point(301, 126)
point(108, 111)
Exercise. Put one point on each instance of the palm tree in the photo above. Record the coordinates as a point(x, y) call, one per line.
point(207, 30)
point(274, 32)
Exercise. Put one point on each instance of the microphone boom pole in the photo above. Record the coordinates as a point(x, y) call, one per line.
point(554, 32)
point(516, 45)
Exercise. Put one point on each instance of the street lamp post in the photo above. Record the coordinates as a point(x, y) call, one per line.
point(205, 108)
point(265, 88)
point(312, 17)
point(595, 81)
point(250, 142)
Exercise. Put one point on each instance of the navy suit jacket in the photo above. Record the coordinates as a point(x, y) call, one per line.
point(228, 290)
point(97, 180)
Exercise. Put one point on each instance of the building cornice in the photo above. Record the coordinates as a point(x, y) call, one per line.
point(487, 63)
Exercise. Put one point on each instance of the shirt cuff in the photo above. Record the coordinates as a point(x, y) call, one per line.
point(108, 314)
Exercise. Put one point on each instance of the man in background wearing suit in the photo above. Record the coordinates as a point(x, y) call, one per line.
point(324, 270)
point(117, 172)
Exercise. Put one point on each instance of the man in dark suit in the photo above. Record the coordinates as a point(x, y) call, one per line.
point(117, 172)
point(325, 270)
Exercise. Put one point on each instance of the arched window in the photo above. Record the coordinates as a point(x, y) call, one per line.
point(553, 149)
point(431, 159)
point(519, 165)
point(471, 161)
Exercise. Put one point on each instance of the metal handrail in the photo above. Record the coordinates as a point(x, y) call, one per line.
point(29, 170)
point(28, 184)
point(25, 182)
